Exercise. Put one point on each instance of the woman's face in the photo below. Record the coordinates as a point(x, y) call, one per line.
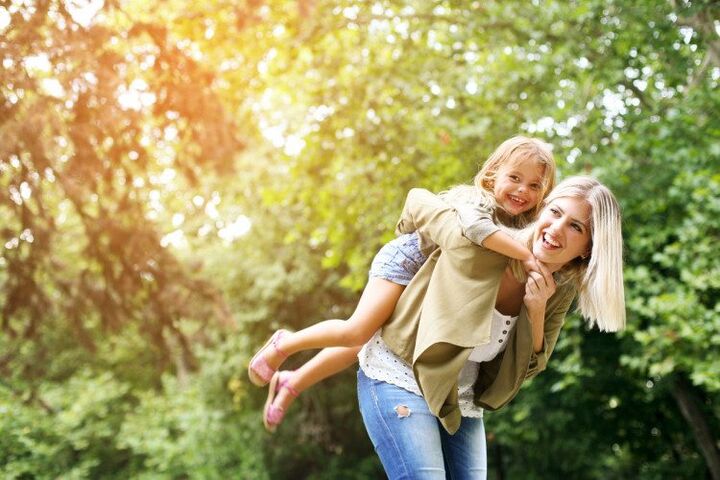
point(562, 232)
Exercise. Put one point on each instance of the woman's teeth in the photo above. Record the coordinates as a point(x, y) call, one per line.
point(550, 241)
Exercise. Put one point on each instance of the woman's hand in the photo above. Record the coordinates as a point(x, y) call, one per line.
point(539, 287)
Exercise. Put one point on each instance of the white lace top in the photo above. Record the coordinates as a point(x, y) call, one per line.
point(380, 363)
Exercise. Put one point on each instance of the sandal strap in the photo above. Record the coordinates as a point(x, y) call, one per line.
point(285, 383)
point(276, 339)
point(259, 371)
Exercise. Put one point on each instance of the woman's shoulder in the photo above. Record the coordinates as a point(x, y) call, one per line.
point(565, 294)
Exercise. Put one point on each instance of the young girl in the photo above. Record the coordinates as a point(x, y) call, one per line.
point(509, 189)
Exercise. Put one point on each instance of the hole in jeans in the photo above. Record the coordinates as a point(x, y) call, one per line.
point(402, 411)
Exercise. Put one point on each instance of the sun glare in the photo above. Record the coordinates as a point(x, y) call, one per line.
point(83, 12)
point(4, 18)
point(238, 228)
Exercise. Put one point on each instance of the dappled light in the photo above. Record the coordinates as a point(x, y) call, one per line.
point(182, 178)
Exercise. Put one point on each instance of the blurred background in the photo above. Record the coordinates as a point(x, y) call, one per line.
point(181, 178)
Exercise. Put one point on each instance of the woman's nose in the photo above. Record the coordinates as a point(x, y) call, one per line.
point(555, 227)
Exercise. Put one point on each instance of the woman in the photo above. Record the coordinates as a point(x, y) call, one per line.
point(466, 316)
point(577, 237)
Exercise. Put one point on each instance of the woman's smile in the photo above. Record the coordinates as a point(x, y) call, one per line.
point(562, 231)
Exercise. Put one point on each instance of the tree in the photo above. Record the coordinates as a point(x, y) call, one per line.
point(134, 142)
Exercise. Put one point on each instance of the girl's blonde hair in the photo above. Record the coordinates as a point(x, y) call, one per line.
point(598, 277)
point(517, 149)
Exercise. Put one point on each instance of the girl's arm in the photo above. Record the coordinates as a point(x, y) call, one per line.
point(438, 224)
point(504, 244)
point(479, 227)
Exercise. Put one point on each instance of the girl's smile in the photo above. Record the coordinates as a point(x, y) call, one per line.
point(517, 187)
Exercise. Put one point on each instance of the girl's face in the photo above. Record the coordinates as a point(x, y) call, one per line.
point(562, 232)
point(518, 186)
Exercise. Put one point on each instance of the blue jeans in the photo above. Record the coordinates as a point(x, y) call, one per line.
point(411, 442)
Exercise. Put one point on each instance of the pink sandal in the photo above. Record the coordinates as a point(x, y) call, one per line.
point(259, 371)
point(272, 415)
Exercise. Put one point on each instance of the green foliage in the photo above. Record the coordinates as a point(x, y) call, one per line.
point(132, 146)
point(627, 426)
point(180, 430)
point(72, 436)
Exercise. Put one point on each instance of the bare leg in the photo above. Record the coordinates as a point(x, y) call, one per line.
point(323, 365)
point(376, 304)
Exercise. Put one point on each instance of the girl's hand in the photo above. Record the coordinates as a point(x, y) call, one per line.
point(530, 264)
point(539, 287)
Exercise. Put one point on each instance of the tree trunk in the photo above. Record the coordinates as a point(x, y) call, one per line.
point(687, 400)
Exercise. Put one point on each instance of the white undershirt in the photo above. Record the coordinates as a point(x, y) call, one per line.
point(380, 363)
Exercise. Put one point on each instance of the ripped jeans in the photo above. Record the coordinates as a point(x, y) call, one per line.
point(411, 442)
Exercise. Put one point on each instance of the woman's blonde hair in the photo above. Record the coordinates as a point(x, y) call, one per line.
point(599, 276)
point(514, 150)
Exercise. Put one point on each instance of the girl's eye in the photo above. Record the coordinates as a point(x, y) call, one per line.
point(514, 178)
point(535, 186)
point(554, 211)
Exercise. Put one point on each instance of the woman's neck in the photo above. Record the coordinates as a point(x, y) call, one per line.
point(553, 267)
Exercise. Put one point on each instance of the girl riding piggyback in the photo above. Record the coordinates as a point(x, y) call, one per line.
point(508, 190)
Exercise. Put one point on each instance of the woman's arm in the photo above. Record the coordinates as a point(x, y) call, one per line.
point(540, 286)
point(500, 378)
point(545, 331)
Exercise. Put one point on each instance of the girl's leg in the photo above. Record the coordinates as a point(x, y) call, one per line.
point(466, 452)
point(376, 304)
point(323, 365)
point(406, 436)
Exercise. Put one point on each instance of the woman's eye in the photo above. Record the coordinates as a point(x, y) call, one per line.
point(577, 227)
point(554, 211)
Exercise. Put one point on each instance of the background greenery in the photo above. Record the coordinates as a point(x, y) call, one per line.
point(140, 140)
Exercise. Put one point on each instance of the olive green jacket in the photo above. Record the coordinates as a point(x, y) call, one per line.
point(446, 311)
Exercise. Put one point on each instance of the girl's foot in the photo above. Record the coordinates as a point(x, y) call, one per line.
point(281, 394)
point(267, 360)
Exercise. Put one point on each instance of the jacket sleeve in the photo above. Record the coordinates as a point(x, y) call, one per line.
point(554, 320)
point(433, 219)
point(500, 379)
point(477, 220)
